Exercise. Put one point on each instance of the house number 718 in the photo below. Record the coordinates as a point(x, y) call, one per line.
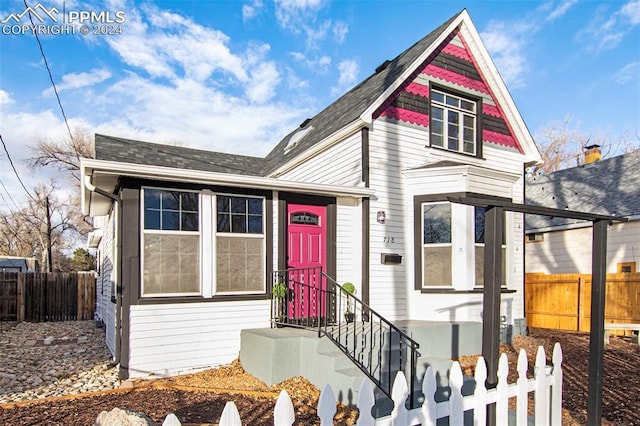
point(389, 239)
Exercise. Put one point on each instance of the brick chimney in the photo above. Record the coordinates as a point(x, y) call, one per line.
point(592, 154)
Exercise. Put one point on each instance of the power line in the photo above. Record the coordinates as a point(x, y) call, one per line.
point(9, 194)
point(46, 64)
point(15, 171)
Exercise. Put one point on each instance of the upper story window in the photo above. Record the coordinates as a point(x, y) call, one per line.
point(453, 122)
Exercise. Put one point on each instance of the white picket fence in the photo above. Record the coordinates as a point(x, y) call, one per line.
point(546, 387)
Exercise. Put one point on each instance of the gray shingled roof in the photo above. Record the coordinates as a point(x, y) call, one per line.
point(610, 187)
point(14, 263)
point(138, 152)
point(336, 116)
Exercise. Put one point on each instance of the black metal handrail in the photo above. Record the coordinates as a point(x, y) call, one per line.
point(309, 298)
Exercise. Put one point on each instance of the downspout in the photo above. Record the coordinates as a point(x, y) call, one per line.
point(116, 200)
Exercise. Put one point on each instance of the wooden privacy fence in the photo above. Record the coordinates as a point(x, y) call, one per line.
point(563, 301)
point(546, 388)
point(47, 296)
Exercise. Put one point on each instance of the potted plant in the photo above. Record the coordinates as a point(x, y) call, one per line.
point(348, 289)
point(279, 292)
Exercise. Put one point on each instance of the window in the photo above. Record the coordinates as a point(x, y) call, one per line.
point(171, 243)
point(436, 244)
point(240, 245)
point(478, 222)
point(450, 244)
point(626, 267)
point(453, 122)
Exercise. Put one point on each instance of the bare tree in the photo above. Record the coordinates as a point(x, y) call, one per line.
point(42, 229)
point(562, 146)
point(63, 154)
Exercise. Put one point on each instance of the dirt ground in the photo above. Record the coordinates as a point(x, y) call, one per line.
point(199, 398)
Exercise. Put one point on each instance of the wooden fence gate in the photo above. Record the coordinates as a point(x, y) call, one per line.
point(47, 296)
point(563, 301)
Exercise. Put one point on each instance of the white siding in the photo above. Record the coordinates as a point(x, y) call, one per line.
point(106, 279)
point(394, 151)
point(570, 251)
point(169, 339)
point(338, 165)
point(349, 242)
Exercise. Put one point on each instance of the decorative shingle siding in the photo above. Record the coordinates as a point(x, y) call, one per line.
point(451, 66)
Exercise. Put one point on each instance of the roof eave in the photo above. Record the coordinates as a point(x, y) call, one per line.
point(101, 168)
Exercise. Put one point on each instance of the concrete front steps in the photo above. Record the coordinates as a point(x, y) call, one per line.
point(274, 355)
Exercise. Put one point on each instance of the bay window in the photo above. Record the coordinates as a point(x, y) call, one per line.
point(450, 245)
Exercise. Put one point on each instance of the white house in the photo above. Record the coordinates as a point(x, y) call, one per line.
point(189, 238)
point(609, 187)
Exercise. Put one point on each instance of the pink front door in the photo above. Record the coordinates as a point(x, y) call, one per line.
point(306, 249)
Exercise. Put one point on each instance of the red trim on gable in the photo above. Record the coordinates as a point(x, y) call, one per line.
point(455, 78)
point(406, 115)
point(458, 51)
point(491, 110)
point(418, 89)
point(499, 138)
point(514, 142)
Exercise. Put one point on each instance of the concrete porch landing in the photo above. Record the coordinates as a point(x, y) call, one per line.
point(276, 354)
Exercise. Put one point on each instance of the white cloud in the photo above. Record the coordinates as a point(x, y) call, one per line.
point(250, 11)
point(630, 73)
point(319, 65)
point(607, 29)
point(294, 82)
point(291, 13)
point(507, 50)
point(5, 98)
point(340, 30)
point(348, 70)
point(631, 11)
point(264, 80)
point(198, 115)
point(303, 17)
point(79, 80)
point(168, 45)
point(561, 9)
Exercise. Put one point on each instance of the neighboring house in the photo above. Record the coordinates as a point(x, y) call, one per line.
point(189, 237)
point(609, 187)
point(18, 264)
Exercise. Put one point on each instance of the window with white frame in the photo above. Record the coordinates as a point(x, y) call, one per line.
point(240, 244)
point(436, 244)
point(171, 243)
point(179, 227)
point(453, 122)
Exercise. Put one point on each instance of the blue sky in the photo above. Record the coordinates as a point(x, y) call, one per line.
point(236, 76)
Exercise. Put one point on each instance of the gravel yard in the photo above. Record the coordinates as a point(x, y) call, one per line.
point(37, 370)
point(42, 360)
